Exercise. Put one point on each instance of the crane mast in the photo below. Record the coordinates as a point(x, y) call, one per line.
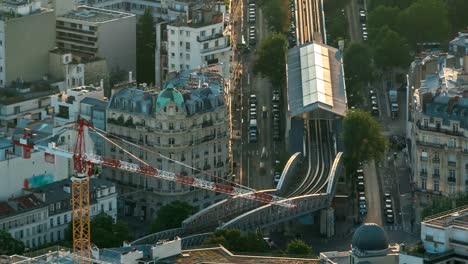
point(83, 166)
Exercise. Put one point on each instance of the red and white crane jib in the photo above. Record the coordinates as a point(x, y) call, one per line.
point(91, 159)
point(187, 180)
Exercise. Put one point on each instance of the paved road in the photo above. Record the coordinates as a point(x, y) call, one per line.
point(373, 195)
point(354, 25)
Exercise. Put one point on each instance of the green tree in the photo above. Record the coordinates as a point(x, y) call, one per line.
point(171, 216)
point(457, 15)
point(401, 4)
point(237, 241)
point(380, 17)
point(271, 60)
point(9, 245)
point(333, 6)
point(298, 247)
point(424, 20)
point(363, 139)
point(336, 28)
point(357, 64)
point(105, 234)
point(145, 46)
point(277, 15)
point(390, 42)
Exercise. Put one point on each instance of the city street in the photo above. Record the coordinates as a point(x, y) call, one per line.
point(390, 175)
point(250, 173)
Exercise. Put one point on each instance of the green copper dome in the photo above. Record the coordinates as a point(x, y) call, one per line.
point(169, 94)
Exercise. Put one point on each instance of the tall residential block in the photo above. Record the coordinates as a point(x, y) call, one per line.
point(27, 33)
point(99, 33)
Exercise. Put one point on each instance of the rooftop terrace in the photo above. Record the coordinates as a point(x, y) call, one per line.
point(456, 217)
point(96, 15)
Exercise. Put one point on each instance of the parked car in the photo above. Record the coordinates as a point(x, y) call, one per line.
point(362, 209)
point(375, 111)
point(253, 99)
point(389, 216)
point(360, 186)
point(362, 15)
point(277, 176)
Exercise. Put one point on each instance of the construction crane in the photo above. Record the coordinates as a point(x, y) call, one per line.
point(83, 164)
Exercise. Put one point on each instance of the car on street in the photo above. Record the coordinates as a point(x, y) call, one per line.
point(277, 176)
point(362, 209)
point(374, 103)
point(389, 215)
point(253, 137)
point(362, 200)
point(360, 186)
point(362, 15)
point(375, 111)
point(360, 178)
point(253, 99)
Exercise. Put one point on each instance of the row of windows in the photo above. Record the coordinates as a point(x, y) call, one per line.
point(203, 33)
point(33, 218)
point(54, 236)
point(37, 229)
point(435, 186)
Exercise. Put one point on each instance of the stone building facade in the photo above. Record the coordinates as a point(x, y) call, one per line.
point(186, 123)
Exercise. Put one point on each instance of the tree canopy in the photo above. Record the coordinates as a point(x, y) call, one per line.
point(457, 14)
point(298, 247)
point(425, 21)
point(105, 234)
point(381, 17)
point(145, 46)
point(390, 42)
point(277, 15)
point(357, 64)
point(363, 139)
point(9, 245)
point(171, 216)
point(235, 240)
point(271, 60)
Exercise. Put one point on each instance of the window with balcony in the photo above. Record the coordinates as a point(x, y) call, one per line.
point(436, 185)
point(202, 33)
point(423, 155)
point(437, 125)
point(171, 141)
point(436, 173)
point(187, 45)
point(205, 46)
point(452, 143)
point(425, 138)
point(426, 123)
point(423, 183)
